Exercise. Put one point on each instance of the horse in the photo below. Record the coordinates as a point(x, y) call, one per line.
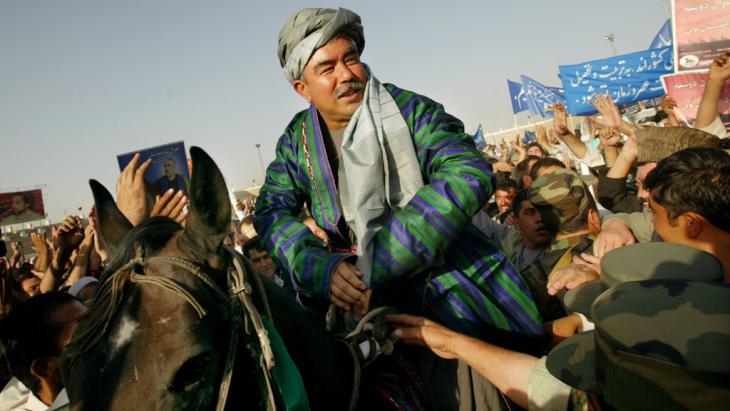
point(181, 322)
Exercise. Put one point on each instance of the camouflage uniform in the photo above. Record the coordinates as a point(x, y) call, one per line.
point(561, 197)
point(658, 345)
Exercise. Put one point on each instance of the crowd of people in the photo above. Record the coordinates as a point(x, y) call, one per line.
point(572, 272)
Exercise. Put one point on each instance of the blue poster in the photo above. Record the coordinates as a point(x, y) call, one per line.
point(540, 98)
point(627, 79)
point(169, 169)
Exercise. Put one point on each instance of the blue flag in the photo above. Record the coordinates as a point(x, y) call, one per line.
point(663, 38)
point(540, 99)
point(627, 79)
point(517, 96)
point(529, 137)
point(479, 139)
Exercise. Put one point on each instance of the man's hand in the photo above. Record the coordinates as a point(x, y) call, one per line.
point(41, 247)
point(609, 137)
point(560, 120)
point(610, 114)
point(346, 288)
point(172, 206)
point(614, 234)
point(316, 230)
point(591, 261)
point(720, 69)
point(563, 328)
point(570, 277)
point(131, 195)
point(502, 166)
point(630, 151)
point(69, 235)
point(420, 331)
point(668, 104)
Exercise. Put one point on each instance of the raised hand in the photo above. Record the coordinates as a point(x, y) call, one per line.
point(668, 103)
point(610, 114)
point(560, 119)
point(609, 137)
point(40, 245)
point(720, 68)
point(131, 195)
point(69, 235)
point(172, 206)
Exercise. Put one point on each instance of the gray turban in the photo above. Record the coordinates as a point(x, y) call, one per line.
point(310, 29)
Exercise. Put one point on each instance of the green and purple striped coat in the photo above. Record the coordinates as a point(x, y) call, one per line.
point(471, 286)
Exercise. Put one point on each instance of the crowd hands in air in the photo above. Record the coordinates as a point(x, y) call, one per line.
point(621, 210)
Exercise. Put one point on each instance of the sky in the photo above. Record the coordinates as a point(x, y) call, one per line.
point(84, 80)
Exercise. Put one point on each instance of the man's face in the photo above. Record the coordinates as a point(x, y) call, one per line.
point(641, 174)
point(262, 262)
point(31, 287)
point(334, 80)
point(169, 168)
point(504, 199)
point(18, 204)
point(535, 151)
point(669, 231)
point(530, 224)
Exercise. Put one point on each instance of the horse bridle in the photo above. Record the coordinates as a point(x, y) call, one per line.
point(239, 297)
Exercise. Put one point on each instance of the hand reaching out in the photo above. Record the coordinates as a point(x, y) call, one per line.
point(68, 236)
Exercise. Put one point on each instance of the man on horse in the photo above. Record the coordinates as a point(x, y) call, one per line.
point(394, 182)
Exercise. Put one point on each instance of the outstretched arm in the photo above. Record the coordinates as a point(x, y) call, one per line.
point(719, 73)
point(508, 370)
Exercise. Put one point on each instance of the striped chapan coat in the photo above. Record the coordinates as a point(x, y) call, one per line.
point(463, 277)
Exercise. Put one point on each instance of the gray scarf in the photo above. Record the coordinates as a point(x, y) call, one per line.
point(379, 171)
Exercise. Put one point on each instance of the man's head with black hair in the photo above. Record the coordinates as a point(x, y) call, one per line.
point(504, 194)
point(690, 196)
point(25, 285)
point(535, 149)
point(544, 166)
point(528, 220)
point(33, 337)
point(259, 257)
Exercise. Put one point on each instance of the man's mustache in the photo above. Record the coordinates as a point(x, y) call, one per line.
point(348, 87)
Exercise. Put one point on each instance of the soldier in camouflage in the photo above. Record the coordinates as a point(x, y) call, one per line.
point(569, 211)
point(658, 345)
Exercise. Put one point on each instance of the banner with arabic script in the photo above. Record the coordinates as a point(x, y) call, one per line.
point(701, 32)
point(687, 89)
point(627, 79)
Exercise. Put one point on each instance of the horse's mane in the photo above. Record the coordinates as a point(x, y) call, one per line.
point(149, 238)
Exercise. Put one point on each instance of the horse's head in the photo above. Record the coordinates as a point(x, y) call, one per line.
point(156, 336)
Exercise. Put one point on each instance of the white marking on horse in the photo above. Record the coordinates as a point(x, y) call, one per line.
point(124, 333)
point(136, 374)
point(164, 320)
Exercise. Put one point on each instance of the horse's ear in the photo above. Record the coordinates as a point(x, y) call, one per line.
point(112, 225)
point(209, 214)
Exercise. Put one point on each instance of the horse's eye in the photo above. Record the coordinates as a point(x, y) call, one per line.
point(190, 374)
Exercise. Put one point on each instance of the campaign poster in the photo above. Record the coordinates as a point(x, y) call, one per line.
point(701, 32)
point(21, 207)
point(169, 168)
point(687, 89)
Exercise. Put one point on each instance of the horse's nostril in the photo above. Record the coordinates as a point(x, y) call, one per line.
point(190, 374)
